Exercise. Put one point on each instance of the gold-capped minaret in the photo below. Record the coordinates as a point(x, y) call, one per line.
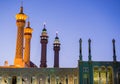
point(20, 22)
point(27, 34)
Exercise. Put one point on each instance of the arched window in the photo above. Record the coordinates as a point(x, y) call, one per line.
point(66, 79)
point(85, 78)
point(48, 79)
point(118, 78)
point(14, 80)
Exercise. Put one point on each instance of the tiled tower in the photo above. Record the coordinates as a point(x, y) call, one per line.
point(27, 34)
point(44, 41)
point(20, 22)
point(80, 51)
point(56, 48)
point(114, 51)
point(89, 50)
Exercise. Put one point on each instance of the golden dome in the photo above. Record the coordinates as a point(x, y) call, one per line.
point(28, 29)
point(21, 15)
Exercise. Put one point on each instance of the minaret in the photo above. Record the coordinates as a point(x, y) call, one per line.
point(114, 51)
point(44, 41)
point(89, 50)
point(56, 48)
point(20, 22)
point(80, 52)
point(27, 34)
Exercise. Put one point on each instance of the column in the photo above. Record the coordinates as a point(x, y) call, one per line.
point(9, 80)
point(99, 75)
point(75, 80)
point(53, 79)
point(57, 80)
point(0, 80)
point(19, 80)
point(33, 80)
point(106, 75)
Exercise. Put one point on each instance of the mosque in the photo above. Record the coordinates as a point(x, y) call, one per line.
point(24, 71)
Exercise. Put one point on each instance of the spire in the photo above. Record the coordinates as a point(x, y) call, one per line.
point(114, 51)
point(80, 52)
point(28, 23)
point(44, 31)
point(89, 49)
point(44, 24)
point(56, 34)
point(44, 27)
point(56, 39)
point(21, 8)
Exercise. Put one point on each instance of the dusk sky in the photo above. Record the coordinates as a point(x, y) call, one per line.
point(98, 20)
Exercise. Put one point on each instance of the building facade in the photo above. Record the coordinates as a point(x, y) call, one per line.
point(24, 71)
point(98, 72)
point(38, 76)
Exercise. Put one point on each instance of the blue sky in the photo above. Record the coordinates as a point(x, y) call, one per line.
point(73, 19)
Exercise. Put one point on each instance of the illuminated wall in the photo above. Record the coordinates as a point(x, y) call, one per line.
point(39, 76)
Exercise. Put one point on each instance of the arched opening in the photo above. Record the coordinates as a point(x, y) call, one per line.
point(42, 79)
point(85, 78)
point(103, 75)
point(66, 79)
point(96, 75)
point(110, 75)
point(99, 75)
point(14, 80)
point(118, 78)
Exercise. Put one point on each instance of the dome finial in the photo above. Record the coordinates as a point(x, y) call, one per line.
point(21, 8)
point(28, 22)
point(21, 3)
point(44, 24)
point(56, 33)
